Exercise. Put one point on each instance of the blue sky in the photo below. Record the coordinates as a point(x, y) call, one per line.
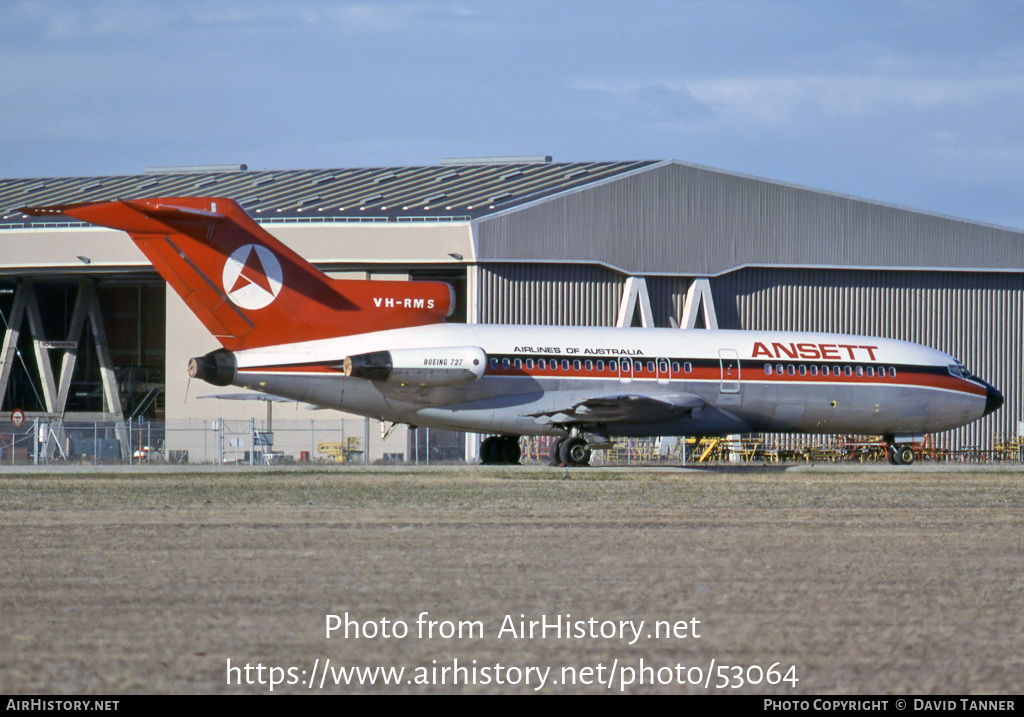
point(918, 103)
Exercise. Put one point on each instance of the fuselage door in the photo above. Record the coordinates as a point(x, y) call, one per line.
point(625, 370)
point(664, 370)
point(729, 360)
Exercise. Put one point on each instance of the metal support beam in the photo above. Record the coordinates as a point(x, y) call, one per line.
point(10, 346)
point(55, 393)
point(698, 297)
point(635, 293)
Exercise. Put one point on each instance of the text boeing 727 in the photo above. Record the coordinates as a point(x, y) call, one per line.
point(381, 349)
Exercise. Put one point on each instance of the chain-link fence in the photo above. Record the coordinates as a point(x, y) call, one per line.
point(363, 442)
point(219, 441)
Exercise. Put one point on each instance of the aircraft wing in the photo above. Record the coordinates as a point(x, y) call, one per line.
point(626, 408)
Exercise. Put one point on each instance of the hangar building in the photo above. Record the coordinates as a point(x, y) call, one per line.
point(92, 337)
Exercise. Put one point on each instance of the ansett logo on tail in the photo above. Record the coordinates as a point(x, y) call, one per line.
point(252, 277)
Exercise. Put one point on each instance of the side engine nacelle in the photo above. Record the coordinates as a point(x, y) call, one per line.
point(447, 366)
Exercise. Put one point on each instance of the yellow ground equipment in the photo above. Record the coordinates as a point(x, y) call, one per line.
point(348, 451)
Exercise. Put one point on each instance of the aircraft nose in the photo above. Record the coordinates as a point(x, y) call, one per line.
point(993, 398)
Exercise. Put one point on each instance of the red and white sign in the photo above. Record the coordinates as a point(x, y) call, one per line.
point(17, 416)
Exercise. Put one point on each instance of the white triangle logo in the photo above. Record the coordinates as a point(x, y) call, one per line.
point(252, 277)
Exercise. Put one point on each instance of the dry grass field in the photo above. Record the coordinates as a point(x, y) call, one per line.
point(862, 580)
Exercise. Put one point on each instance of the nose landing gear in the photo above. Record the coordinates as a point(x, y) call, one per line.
point(900, 455)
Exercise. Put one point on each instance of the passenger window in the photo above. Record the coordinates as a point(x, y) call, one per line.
point(590, 365)
point(767, 369)
point(687, 367)
point(576, 365)
point(565, 364)
point(505, 363)
point(518, 363)
point(494, 363)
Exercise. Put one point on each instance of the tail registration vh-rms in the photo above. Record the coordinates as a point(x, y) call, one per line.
point(382, 349)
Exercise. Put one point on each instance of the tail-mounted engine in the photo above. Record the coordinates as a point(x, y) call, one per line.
point(217, 367)
point(421, 367)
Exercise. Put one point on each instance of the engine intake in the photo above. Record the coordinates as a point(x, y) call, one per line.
point(374, 366)
point(217, 367)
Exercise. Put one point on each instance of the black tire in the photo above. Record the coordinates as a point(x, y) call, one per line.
point(574, 452)
point(489, 450)
point(905, 455)
point(555, 456)
point(507, 451)
point(500, 451)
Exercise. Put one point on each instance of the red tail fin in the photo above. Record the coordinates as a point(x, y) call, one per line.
point(249, 289)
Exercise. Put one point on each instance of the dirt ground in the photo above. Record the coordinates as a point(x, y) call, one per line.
point(797, 581)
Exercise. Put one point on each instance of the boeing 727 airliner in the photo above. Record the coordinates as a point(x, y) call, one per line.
point(382, 349)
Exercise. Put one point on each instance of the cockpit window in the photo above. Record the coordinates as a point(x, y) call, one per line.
point(959, 370)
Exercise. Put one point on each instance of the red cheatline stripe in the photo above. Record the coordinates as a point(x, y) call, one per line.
point(904, 376)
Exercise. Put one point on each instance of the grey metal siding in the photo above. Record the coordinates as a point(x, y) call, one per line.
point(675, 218)
point(549, 294)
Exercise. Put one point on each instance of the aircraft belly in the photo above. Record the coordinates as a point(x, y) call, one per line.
point(834, 408)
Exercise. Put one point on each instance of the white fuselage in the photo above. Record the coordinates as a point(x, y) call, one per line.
point(731, 381)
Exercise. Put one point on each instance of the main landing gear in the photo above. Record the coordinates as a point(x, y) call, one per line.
point(574, 451)
point(500, 451)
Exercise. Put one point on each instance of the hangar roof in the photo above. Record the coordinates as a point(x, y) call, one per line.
point(446, 192)
point(639, 218)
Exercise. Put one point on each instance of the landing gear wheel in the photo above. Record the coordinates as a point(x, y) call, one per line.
point(555, 456)
point(487, 450)
point(500, 450)
point(904, 455)
point(508, 451)
point(574, 452)
point(901, 455)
